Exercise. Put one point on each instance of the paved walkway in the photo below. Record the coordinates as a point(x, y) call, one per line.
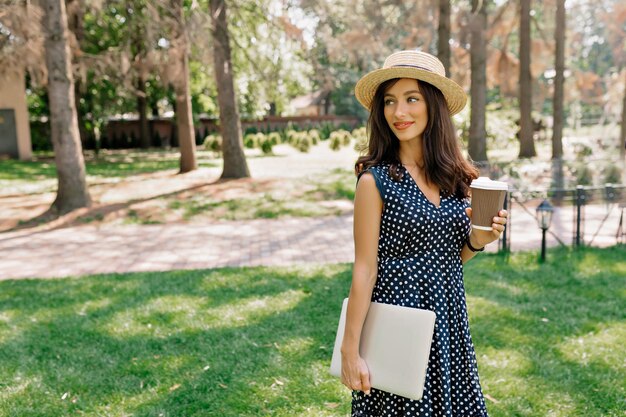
point(108, 249)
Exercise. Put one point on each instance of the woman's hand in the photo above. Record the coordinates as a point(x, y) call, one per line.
point(480, 238)
point(355, 374)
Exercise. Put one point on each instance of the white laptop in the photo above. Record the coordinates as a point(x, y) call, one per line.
point(395, 344)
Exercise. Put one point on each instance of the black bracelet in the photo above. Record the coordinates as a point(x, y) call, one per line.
point(470, 247)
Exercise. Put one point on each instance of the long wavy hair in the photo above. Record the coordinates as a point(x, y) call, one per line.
point(444, 163)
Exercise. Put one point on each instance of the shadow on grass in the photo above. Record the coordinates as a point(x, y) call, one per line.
point(257, 341)
point(53, 220)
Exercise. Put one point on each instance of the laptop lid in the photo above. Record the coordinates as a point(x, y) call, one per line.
point(395, 344)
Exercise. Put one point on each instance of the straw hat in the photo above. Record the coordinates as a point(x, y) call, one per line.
point(412, 64)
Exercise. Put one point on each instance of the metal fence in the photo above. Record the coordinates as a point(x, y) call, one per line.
point(583, 216)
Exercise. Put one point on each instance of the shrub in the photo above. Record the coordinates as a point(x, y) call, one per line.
point(583, 174)
point(266, 145)
point(335, 142)
point(250, 141)
point(213, 142)
point(291, 136)
point(275, 137)
point(325, 131)
point(314, 135)
point(301, 141)
point(612, 174)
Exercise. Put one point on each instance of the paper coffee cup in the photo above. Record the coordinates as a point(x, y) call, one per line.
point(487, 201)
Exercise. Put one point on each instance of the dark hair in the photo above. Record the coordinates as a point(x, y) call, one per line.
point(444, 163)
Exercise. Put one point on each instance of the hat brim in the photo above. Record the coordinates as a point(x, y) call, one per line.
point(366, 87)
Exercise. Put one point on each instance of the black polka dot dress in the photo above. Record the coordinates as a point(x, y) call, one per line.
point(419, 265)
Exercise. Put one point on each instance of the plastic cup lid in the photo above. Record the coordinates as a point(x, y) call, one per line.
point(485, 183)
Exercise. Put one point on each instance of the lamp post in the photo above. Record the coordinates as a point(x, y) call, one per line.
point(544, 218)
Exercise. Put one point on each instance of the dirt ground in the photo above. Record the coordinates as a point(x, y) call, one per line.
point(286, 173)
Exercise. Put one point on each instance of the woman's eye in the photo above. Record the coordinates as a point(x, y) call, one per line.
point(413, 99)
point(388, 102)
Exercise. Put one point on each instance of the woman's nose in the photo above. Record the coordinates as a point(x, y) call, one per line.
point(400, 110)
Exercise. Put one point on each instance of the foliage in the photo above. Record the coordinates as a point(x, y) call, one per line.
point(612, 174)
point(213, 142)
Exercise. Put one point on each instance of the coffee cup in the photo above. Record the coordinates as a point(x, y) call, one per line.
point(487, 201)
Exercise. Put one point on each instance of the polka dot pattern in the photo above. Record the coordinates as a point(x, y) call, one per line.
point(419, 265)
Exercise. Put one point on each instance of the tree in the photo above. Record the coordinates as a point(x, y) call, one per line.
point(559, 80)
point(527, 143)
point(443, 38)
point(477, 146)
point(623, 129)
point(235, 165)
point(72, 192)
point(184, 119)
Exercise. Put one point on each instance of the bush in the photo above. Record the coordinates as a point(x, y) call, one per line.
point(325, 130)
point(213, 142)
point(314, 135)
point(612, 174)
point(583, 174)
point(291, 136)
point(339, 138)
point(250, 140)
point(360, 138)
point(275, 137)
point(265, 143)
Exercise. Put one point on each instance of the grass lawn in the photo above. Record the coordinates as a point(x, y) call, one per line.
point(257, 341)
point(117, 163)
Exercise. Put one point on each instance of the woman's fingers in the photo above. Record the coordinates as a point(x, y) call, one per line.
point(356, 377)
point(365, 382)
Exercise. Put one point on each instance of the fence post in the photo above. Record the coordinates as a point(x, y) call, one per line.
point(505, 235)
point(580, 197)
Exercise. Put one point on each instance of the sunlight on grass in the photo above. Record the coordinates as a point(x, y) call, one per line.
point(296, 346)
point(598, 346)
point(249, 342)
point(247, 311)
point(158, 317)
point(504, 361)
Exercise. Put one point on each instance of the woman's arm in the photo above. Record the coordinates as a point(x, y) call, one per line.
point(480, 238)
point(368, 208)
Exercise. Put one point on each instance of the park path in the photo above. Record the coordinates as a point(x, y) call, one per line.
point(89, 249)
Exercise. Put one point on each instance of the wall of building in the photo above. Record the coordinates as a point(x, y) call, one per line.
point(13, 96)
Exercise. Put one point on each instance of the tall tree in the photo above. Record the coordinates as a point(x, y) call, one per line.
point(184, 119)
point(559, 80)
point(72, 192)
point(527, 143)
point(443, 37)
point(623, 129)
point(477, 146)
point(235, 165)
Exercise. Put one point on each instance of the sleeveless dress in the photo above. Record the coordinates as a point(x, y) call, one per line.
point(419, 265)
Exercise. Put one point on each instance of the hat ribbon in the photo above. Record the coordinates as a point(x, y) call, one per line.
point(412, 66)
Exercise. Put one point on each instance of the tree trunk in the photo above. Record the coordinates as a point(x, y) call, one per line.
point(75, 25)
point(142, 108)
point(443, 38)
point(477, 146)
point(527, 143)
point(559, 36)
point(622, 150)
point(235, 165)
point(184, 119)
point(72, 192)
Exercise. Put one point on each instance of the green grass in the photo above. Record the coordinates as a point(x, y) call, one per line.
point(303, 202)
point(257, 341)
point(108, 164)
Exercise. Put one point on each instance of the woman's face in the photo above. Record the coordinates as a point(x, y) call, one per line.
point(405, 110)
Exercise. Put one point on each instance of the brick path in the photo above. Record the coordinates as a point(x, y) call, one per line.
point(128, 248)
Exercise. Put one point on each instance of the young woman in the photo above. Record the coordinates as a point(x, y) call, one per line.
point(412, 233)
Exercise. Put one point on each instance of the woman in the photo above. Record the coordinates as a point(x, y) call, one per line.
point(412, 233)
